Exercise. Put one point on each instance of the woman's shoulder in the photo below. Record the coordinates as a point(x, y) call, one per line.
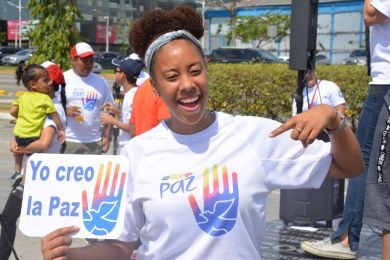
point(244, 119)
point(247, 125)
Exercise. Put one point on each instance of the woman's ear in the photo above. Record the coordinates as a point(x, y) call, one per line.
point(154, 87)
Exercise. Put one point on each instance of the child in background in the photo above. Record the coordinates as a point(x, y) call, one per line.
point(126, 75)
point(31, 110)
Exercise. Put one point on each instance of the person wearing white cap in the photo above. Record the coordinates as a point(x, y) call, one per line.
point(86, 93)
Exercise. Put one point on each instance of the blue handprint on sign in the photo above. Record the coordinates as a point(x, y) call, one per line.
point(101, 218)
point(220, 208)
point(90, 100)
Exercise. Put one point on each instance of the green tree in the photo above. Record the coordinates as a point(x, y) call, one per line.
point(254, 29)
point(3, 38)
point(231, 7)
point(56, 32)
point(124, 27)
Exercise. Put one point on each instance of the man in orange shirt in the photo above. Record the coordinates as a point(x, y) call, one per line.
point(148, 109)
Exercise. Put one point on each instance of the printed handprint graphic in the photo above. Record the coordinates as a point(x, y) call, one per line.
point(101, 218)
point(220, 208)
point(89, 100)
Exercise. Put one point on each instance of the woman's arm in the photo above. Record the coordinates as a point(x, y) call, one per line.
point(106, 118)
point(60, 128)
point(346, 156)
point(40, 145)
point(56, 245)
point(347, 160)
point(14, 110)
point(371, 15)
point(341, 109)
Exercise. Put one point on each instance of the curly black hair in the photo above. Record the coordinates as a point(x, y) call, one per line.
point(157, 22)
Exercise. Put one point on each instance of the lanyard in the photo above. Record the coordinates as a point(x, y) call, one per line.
point(382, 150)
point(314, 95)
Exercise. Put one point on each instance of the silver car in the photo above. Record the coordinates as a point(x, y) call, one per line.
point(356, 57)
point(19, 57)
point(97, 68)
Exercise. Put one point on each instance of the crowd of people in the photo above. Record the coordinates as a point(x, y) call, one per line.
point(233, 161)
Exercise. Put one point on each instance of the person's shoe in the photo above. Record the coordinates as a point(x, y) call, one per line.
point(16, 178)
point(325, 248)
point(18, 191)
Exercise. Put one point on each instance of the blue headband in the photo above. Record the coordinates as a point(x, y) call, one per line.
point(164, 39)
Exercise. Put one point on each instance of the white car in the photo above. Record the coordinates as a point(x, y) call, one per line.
point(356, 57)
point(19, 57)
point(97, 68)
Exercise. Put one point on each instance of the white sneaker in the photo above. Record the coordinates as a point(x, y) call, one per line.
point(325, 248)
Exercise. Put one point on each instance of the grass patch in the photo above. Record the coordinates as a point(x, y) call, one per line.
point(3, 67)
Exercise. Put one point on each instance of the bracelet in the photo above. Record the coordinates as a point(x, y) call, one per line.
point(343, 122)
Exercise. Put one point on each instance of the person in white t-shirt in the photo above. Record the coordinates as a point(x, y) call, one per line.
point(318, 92)
point(143, 75)
point(48, 142)
point(344, 242)
point(198, 182)
point(126, 75)
point(86, 93)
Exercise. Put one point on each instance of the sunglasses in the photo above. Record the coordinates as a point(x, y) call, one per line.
point(117, 71)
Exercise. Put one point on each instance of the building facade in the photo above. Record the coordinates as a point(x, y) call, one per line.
point(98, 16)
point(340, 22)
point(340, 26)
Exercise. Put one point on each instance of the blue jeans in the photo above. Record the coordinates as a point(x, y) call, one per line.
point(354, 202)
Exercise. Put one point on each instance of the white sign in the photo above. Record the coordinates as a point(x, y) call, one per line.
point(68, 189)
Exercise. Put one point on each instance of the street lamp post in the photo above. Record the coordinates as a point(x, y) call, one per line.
point(107, 32)
point(18, 33)
point(203, 2)
point(20, 24)
point(203, 18)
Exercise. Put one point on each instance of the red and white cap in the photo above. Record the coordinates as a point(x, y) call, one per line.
point(55, 73)
point(82, 50)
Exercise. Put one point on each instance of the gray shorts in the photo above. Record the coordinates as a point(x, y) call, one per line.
point(83, 148)
point(377, 194)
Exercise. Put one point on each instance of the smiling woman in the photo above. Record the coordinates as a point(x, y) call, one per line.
point(200, 180)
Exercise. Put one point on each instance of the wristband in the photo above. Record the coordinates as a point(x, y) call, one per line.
point(343, 122)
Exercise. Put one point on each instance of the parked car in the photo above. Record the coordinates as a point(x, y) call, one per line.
point(97, 68)
point(356, 57)
point(284, 58)
point(7, 51)
point(19, 57)
point(242, 55)
point(322, 59)
point(105, 58)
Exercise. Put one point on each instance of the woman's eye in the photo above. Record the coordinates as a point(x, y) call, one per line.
point(196, 72)
point(172, 78)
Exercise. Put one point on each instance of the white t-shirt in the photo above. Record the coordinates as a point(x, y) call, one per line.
point(142, 77)
point(55, 144)
point(89, 93)
point(380, 46)
point(127, 107)
point(327, 93)
point(175, 215)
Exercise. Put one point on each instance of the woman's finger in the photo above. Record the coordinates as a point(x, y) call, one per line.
point(283, 128)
